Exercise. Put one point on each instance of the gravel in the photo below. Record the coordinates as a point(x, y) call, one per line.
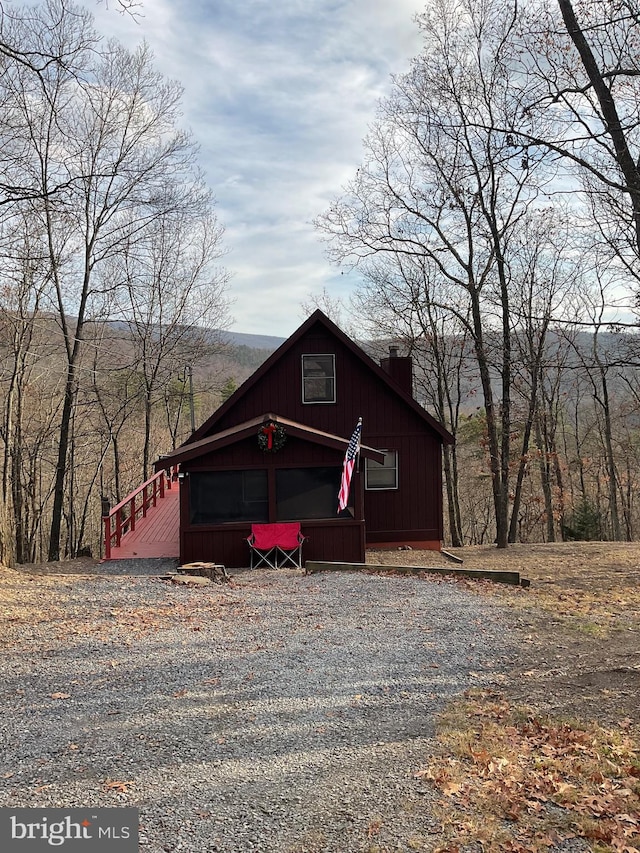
point(282, 713)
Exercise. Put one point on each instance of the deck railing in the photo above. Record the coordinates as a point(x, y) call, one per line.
point(122, 518)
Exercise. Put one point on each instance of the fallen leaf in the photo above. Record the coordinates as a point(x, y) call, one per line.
point(374, 828)
point(61, 696)
point(119, 787)
point(627, 818)
point(425, 773)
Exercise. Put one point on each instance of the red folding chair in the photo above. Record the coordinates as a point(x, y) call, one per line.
point(276, 545)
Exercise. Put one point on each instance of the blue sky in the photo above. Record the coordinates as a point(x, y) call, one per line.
point(279, 97)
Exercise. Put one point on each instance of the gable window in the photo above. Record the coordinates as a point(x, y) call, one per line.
point(319, 378)
point(382, 475)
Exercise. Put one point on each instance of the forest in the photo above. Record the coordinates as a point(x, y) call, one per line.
point(493, 223)
point(112, 284)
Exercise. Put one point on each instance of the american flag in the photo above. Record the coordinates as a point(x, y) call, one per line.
point(348, 465)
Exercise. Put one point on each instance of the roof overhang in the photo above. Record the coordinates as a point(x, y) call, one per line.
point(251, 427)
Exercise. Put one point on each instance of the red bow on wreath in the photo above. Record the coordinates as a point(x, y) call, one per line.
point(268, 430)
point(271, 437)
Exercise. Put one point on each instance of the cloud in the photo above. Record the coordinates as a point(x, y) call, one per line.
point(279, 97)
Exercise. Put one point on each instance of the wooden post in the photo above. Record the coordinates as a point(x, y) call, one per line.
point(107, 537)
point(118, 527)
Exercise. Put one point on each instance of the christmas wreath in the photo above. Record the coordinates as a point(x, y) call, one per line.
point(271, 437)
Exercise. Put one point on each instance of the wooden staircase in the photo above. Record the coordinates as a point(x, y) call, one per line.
point(146, 523)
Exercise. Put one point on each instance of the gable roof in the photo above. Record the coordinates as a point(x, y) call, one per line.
point(249, 428)
point(319, 318)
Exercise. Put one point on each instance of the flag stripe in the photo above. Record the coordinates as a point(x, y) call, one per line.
point(348, 465)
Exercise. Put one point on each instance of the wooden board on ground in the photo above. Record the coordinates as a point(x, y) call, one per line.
point(513, 578)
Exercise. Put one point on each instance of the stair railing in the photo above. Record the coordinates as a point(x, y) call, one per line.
point(123, 517)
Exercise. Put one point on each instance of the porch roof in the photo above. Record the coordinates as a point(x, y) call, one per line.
point(250, 427)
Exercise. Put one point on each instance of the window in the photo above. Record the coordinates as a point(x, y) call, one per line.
point(307, 493)
point(318, 379)
point(217, 497)
point(382, 475)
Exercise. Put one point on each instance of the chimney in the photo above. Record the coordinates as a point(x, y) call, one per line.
point(400, 369)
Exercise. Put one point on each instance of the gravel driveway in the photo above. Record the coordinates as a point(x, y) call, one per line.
point(283, 713)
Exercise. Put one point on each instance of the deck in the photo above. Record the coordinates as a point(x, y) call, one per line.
point(156, 535)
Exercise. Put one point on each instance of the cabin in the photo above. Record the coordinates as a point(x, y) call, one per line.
point(273, 452)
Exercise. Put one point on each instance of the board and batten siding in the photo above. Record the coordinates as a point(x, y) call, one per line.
point(325, 541)
point(411, 514)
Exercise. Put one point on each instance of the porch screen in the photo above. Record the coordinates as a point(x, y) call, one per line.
point(306, 493)
point(216, 497)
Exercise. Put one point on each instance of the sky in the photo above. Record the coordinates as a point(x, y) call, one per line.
point(279, 97)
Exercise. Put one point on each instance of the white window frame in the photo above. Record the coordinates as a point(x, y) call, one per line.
point(394, 468)
point(302, 363)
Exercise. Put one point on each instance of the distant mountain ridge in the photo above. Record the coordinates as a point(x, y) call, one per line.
point(241, 339)
point(238, 339)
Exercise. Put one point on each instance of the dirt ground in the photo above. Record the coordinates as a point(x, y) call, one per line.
point(578, 623)
point(548, 760)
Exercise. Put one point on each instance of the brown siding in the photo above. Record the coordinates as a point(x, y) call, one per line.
point(387, 423)
point(411, 513)
point(333, 541)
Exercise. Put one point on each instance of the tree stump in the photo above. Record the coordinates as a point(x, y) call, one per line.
point(214, 571)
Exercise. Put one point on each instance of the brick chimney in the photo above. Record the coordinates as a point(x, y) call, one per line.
point(400, 369)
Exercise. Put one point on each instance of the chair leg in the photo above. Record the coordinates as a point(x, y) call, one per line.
point(291, 558)
point(268, 559)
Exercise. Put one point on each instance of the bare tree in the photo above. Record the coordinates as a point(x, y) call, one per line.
point(546, 271)
point(98, 138)
point(172, 300)
point(26, 356)
point(40, 48)
point(601, 358)
point(611, 64)
point(577, 66)
point(441, 183)
point(401, 301)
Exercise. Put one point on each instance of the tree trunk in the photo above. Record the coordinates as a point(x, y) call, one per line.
point(61, 466)
point(453, 504)
point(545, 479)
point(610, 460)
point(499, 503)
point(146, 452)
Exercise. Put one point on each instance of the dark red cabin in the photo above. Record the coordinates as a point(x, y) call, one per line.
point(308, 397)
